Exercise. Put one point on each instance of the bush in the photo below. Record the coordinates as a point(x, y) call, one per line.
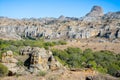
point(113, 68)
point(62, 42)
point(71, 50)
point(42, 73)
point(88, 54)
point(102, 61)
point(3, 70)
point(46, 47)
point(63, 55)
point(61, 61)
point(49, 44)
point(20, 63)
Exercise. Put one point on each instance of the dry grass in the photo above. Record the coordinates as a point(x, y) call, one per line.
point(95, 46)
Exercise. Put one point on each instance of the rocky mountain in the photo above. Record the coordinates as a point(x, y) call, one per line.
point(96, 11)
point(95, 23)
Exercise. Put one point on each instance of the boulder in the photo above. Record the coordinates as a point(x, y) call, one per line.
point(41, 60)
point(7, 57)
point(118, 34)
point(9, 61)
point(25, 51)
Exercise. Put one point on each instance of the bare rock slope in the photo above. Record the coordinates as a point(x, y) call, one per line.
point(95, 23)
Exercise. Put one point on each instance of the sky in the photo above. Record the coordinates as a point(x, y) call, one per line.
point(53, 8)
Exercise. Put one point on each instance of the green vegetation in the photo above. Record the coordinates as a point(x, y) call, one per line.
point(15, 46)
point(20, 63)
point(102, 61)
point(3, 70)
point(42, 73)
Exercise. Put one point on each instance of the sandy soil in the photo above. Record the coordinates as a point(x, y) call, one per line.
point(67, 75)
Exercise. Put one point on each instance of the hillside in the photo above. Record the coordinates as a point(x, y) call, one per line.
point(93, 24)
point(64, 48)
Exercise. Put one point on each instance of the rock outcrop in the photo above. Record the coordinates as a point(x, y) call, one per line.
point(112, 15)
point(41, 60)
point(118, 34)
point(96, 11)
point(95, 23)
point(7, 57)
point(10, 62)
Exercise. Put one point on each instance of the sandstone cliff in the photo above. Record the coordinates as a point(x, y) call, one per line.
point(95, 23)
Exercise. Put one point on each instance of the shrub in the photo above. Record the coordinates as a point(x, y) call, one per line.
point(88, 54)
point(46, 47)
point(62, 42)
point(3, 70)
point(113, 68)
point(61, 61)
point(49, 44)
point(102, 61)
point(42, 73)
point(20, 63)
point(101, 69)
point(72, 50)
point(63, 55)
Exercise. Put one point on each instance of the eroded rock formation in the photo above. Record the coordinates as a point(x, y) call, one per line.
point(95, 23)
point(41, 60)
point(96, 11)
point(9, 61)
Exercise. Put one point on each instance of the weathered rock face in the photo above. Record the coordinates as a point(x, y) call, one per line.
point(9, 32)
point(93, 24)
point(26, 50)
point(118, 34)
point(41, 60)
point(9, 61)
point(82, 33)
point(96, 11)
point(8, 57)
point(112, 15)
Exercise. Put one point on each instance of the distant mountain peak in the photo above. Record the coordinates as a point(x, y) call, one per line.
point(96, 11)
point(62, 17)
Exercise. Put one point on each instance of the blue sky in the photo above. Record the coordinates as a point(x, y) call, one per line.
point(53, 8)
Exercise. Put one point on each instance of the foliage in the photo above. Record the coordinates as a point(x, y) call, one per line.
point(3, 70)
point(42, 73)
point(61, 42)
point(72, 50)
point(15, 46)
point(20, 63)
point(61, 54)
point(102, 61)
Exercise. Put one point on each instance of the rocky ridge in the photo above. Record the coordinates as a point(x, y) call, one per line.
point(95, 23)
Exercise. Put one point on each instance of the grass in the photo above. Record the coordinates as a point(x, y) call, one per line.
point(42, 73)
